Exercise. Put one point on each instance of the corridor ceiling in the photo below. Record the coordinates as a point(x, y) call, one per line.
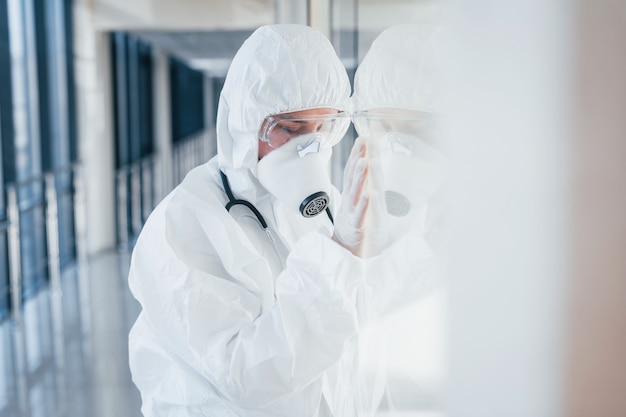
point(209, 51)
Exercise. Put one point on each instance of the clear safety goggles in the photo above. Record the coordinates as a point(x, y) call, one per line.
point(379, 122)
point(276, 130)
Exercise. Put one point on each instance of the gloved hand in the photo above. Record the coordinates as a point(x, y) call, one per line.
point(349, 229)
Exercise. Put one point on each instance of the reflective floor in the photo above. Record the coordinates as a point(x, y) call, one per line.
point(69, 357)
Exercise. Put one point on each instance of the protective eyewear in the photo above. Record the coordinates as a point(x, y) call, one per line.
point(279, 129)
point(378, 123)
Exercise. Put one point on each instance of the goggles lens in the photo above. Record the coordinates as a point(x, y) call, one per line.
point(279, 129)
point(378, 123)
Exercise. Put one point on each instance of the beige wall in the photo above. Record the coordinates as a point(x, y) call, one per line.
point(95, 129)
point(596, 380)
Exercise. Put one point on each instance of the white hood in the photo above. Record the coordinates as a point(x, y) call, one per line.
point(410, 57)
point(279, 68)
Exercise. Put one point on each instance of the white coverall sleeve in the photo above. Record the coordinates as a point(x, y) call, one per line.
point(304, 332)
point(254, 355)
point(399, 275)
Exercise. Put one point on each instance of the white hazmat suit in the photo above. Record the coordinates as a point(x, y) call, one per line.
point(398, 99)
point(235, 322)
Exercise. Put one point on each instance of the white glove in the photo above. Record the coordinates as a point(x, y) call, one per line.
point(349, 229)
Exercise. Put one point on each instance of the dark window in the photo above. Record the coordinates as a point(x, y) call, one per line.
point(218, 85)
point(187, 100)
point(37, 134)
point(134, 132)
point(6, 148)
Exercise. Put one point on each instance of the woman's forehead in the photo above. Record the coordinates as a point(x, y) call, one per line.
point(308, 113)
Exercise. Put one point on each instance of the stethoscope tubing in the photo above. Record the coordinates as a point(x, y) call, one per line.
point(232, 201)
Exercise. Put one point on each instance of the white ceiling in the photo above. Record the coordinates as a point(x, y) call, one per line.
point(207, 33)
point(209, 51)
point(186, 15)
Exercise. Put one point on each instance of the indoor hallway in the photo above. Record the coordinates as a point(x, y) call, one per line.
point(75, 360)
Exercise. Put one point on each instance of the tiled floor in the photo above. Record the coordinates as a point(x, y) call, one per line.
point(69, 357)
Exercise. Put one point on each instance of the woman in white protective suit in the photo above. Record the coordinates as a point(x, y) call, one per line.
point(251, 299)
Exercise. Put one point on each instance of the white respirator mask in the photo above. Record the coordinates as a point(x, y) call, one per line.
point(410, 171)
point(407, 168)
point(405, 173)
point(298, 174)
